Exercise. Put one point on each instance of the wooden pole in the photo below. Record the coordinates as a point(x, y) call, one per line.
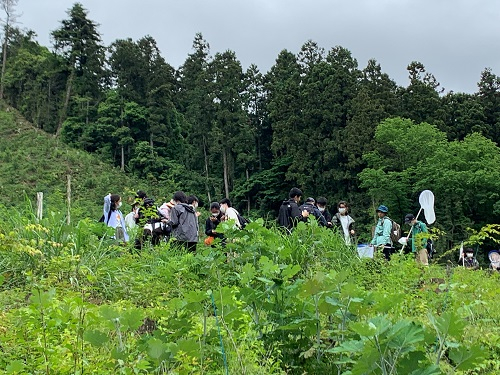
point(68, 217)
point(39, 205)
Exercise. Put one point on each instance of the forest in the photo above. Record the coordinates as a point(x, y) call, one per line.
point(315, 120)
point(118, 118)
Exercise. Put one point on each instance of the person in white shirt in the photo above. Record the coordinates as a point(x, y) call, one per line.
point(229, 212)
point(344, 222)
point(114, 218)
point(130, 218)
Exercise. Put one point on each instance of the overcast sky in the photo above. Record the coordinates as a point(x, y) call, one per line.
point(454, 39)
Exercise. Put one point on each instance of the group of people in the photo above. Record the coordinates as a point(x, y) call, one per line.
point(178, 219)
point(386, 232)
point(290, 213)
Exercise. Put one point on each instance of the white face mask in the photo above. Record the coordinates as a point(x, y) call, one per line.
point(119, 205)
point(223, 209)
point(321, 209)
point(215, 214)
point(469, 255)
point(342, 210)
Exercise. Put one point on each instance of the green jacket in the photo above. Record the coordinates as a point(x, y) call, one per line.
point(382, 235)
point(418, 228)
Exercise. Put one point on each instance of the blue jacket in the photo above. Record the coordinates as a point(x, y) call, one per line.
point(114, 218)
point(382, 235)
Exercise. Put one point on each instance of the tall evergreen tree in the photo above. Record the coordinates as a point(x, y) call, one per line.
point(375, 101)
point(195, 101)
point(79, 43)
point(489, 97)
point(420, 100)
point(9, 7)
point(463, 115)
point(231, 132)
point(34, 79)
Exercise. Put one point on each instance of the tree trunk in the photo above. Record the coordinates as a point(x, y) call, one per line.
point(226, 177)
point(248, 196)
point(64, 110)
point(207, 182)
point(123, 158)
point(4, 57)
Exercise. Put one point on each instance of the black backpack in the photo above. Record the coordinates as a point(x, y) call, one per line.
point(430, 248)
point(243, 220)
point(285, 215)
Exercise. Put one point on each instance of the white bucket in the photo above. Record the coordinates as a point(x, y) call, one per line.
point(365, 251)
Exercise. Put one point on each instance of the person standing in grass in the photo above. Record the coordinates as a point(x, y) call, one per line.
point(382, 234)
point(309, 206)
point(321, 203)
point(114, 218)
point(344, 222)
point(211, 224)
point(417, 239)
point(184, 222)
point(289, 214)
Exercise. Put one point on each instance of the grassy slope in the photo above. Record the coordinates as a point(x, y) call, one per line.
point(32, 161)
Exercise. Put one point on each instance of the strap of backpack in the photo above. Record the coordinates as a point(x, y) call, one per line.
point(109, 216)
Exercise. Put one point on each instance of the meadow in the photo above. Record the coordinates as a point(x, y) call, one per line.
point(75, 302)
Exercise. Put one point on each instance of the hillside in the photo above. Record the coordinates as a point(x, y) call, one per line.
point(33, 161)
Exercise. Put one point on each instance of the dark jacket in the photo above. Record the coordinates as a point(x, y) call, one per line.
point(327, 215)
point(184, 223)
point(289, 214)
point(313, 210)
point(211, 226)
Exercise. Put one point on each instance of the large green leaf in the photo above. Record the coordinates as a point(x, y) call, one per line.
point(96, 338)
point(466, 358)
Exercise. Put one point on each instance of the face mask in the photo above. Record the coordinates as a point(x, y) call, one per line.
point(469, 255)
point(223, 209)
point(119, 205)
point(321, 209)
point(215, 214)
point(342, 210)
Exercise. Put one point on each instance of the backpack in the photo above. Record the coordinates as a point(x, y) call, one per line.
point(430, 248)
point(285, 215)
point(101, 220)
point(395, 231)
point(243, 220)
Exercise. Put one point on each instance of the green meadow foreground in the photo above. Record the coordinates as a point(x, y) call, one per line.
point(74, 303)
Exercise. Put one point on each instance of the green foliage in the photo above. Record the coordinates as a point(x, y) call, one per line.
point(285, 304)
point(25, 172)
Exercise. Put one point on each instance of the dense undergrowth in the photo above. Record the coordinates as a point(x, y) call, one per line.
point(76, 303)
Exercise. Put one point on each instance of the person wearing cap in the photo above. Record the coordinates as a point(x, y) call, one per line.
point(344, 222)
point(321, 203)
point(309, 206)
point(289, 214)
point(468, 260)
point(382, 233)
point(417, 240)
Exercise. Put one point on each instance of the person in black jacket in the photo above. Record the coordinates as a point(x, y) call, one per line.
point(321, 203)
point(212, 222)
point(314, 211)
point(289, 214)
